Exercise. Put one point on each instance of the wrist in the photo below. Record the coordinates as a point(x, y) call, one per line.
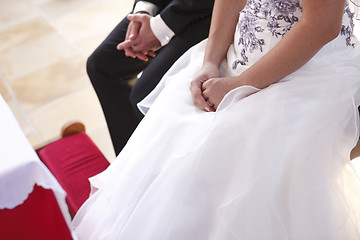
point(143, 12)
point(161, 30)
point(243, 79)
point(210, 64)
point(146, 7)
point(249, 78)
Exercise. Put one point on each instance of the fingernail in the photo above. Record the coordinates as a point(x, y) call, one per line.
point(207, 109)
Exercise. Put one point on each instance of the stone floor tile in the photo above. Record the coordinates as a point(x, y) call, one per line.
point(37, 2)
point(57, 9)
point(4, 91)
point(98, 18)
point(21, 117)
point(88, 45)
point(35, 55)
point(13, 12)
point(25, 32)
point(35, 140)
point(82, 106)
point(51, 83)
point(43, 49)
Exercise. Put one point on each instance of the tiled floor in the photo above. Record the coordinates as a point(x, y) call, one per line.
point(43, 49)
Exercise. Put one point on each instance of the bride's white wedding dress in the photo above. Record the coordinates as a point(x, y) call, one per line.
point(268, 164)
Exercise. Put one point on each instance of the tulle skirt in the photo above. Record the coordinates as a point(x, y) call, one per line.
point(268, 164)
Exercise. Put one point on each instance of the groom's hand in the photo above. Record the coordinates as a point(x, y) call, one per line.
point(140, 40)
point(131, 34)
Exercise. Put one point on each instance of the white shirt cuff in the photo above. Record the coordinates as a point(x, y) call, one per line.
point(162, 32)
point(148, 7)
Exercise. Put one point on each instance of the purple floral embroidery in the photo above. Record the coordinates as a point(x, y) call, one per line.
point(275, 12)
point(348, 31)
point(248, 29)
point(280, 15)
point(284, 7)
point(282, 11)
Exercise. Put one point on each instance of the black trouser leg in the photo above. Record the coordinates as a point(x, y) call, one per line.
point(110, 71)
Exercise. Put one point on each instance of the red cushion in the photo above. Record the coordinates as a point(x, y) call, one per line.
point(39, 217)
point(73, 160)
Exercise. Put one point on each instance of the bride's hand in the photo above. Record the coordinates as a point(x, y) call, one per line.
point(215, 89)
point(206, 72)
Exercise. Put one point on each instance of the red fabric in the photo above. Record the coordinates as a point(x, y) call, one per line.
point(73, 160)
point(39, 217)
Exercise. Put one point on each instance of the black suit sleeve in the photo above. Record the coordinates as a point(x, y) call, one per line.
point(160, 3)
point(178, 14)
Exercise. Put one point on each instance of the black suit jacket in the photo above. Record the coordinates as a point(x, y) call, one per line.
point(178, 14)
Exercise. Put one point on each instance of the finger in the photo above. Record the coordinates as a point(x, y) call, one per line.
point(206, 101)
point(136, 17)
point(125, 44)
point(142, 57)
point(128, 31)
point(140, 48)
point(130, 53)
point(205, 84)
point(136, 48)
point(203, 87)
point(134, 30)
point(209, 102)
point(151, 53)
point(197, 96)
point(203, 104)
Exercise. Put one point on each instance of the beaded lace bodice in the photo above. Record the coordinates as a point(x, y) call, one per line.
point(262, 23)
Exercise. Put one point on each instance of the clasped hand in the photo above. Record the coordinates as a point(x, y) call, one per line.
point(140, 41)
point(208, 88)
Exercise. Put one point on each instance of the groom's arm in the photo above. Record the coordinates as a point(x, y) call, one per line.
point(172, 17)
point(177, 15)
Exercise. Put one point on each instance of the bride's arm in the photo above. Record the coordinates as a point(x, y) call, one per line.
point(320, 23)
point(221, 35)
